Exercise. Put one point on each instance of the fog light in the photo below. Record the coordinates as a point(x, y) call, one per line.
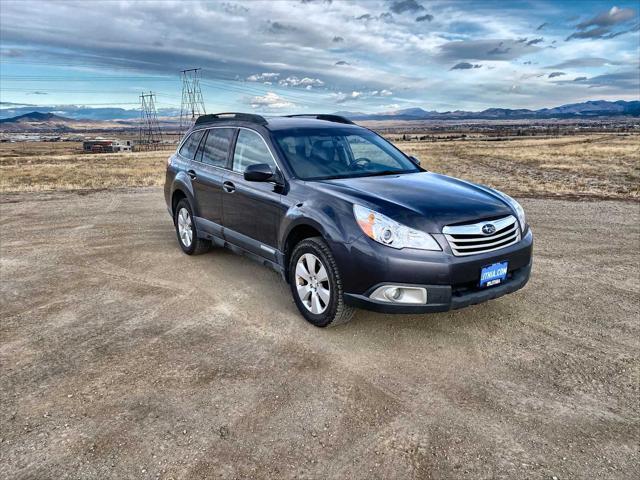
point(400, 294)
point(393, 293)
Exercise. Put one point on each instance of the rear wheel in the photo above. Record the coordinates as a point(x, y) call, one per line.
point(186, 230)
point(316, 285)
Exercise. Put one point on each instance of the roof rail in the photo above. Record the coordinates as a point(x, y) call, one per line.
point(324, 116)
point(225, 116)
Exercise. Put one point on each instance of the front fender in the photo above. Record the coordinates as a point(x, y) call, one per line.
point(331, 216)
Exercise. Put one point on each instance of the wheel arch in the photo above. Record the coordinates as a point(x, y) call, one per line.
point(181, 189)
point(295, 235)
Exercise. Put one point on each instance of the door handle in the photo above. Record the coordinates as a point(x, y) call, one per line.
point(192, 174)
point(229, 187)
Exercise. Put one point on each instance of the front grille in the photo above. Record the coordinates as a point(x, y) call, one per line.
point(472, 240)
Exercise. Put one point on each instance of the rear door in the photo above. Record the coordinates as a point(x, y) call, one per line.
point(207, 176)
point(252, 210)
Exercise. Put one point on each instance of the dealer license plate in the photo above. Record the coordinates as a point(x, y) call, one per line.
point(493, 274)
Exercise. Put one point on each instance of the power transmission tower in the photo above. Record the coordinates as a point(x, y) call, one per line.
point(192, 103)
point(150, 134)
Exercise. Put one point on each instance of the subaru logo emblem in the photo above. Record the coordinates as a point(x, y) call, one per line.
point(488, 229)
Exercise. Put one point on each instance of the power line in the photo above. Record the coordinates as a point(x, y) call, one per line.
point(150, 134)
point(192, 105)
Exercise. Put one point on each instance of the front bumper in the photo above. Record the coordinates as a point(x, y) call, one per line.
point(451, 282)
point(441, 298)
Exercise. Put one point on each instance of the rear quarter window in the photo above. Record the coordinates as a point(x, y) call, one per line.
point(190, 145)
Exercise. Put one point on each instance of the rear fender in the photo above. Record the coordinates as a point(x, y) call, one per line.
point(183, 182)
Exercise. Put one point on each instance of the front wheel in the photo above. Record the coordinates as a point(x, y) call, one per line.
point(316, 285)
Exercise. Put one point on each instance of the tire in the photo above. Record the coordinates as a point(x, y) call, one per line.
point(192, 245)
point(307, 279)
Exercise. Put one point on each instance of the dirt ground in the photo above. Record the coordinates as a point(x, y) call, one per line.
point(121, 357)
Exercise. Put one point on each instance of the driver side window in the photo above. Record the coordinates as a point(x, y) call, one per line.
point(364, 149)
point(250, 150)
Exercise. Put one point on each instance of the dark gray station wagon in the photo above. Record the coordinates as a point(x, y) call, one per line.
point(346, 218)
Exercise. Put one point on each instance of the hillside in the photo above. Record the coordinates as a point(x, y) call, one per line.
point(36, 117)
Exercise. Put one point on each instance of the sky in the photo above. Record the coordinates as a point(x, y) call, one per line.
point(320, 55)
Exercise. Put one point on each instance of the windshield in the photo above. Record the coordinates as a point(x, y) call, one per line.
point(323, 154)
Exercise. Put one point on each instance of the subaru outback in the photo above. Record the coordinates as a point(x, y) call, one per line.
point(345, 217)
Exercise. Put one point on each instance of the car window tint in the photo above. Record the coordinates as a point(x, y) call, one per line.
point(364, 150)
point(215, 148)
point(340, 153)
point(250, 150)
point(189, 147)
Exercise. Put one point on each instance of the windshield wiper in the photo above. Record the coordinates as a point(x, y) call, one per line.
point(361, 174)
point(383, 172)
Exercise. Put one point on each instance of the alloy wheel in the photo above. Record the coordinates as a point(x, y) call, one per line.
point(312, 283)
point(185, 227)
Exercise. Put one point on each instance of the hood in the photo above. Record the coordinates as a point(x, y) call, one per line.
point(425, 201)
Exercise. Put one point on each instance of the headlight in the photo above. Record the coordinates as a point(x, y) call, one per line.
point(391, 233)
point(518, 208)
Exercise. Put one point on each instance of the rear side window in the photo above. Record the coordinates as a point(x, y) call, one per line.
point(250, 149)
point(215, 148)
point(189, 147)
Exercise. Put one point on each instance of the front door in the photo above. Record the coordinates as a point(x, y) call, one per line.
point(251, 210)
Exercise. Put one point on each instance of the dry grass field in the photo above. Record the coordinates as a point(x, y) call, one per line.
point(587, 166)
point(37, 166)
point(597, 165)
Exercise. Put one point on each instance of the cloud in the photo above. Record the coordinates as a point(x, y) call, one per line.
point(380, 93)
point(341, 97)
point(403, 6)
point(556, 74)
point(294, 81)
point(384, 17)
point(11, 53)
point(521, 40)
point(423, 18)
point(626, 80)
point(270, 101)
point(541, 26)
point(614, 16)
point(582, 62)
point(499, 50)
point(599, 32)
point(345, 97)
point(14, 104)
point(412, 59)
point(535, 41)
point(484, 50)
point(464, 66)
point(263, 77)
point(277, 28)
point(601, 26)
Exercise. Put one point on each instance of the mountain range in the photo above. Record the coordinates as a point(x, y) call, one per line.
point(77, 118)
point(590, 109)
point(36, 117)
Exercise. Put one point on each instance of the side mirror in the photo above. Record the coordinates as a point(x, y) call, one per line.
point(414, 160)
point(259, 172)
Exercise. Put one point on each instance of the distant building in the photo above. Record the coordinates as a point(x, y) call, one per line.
point(106, 146)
